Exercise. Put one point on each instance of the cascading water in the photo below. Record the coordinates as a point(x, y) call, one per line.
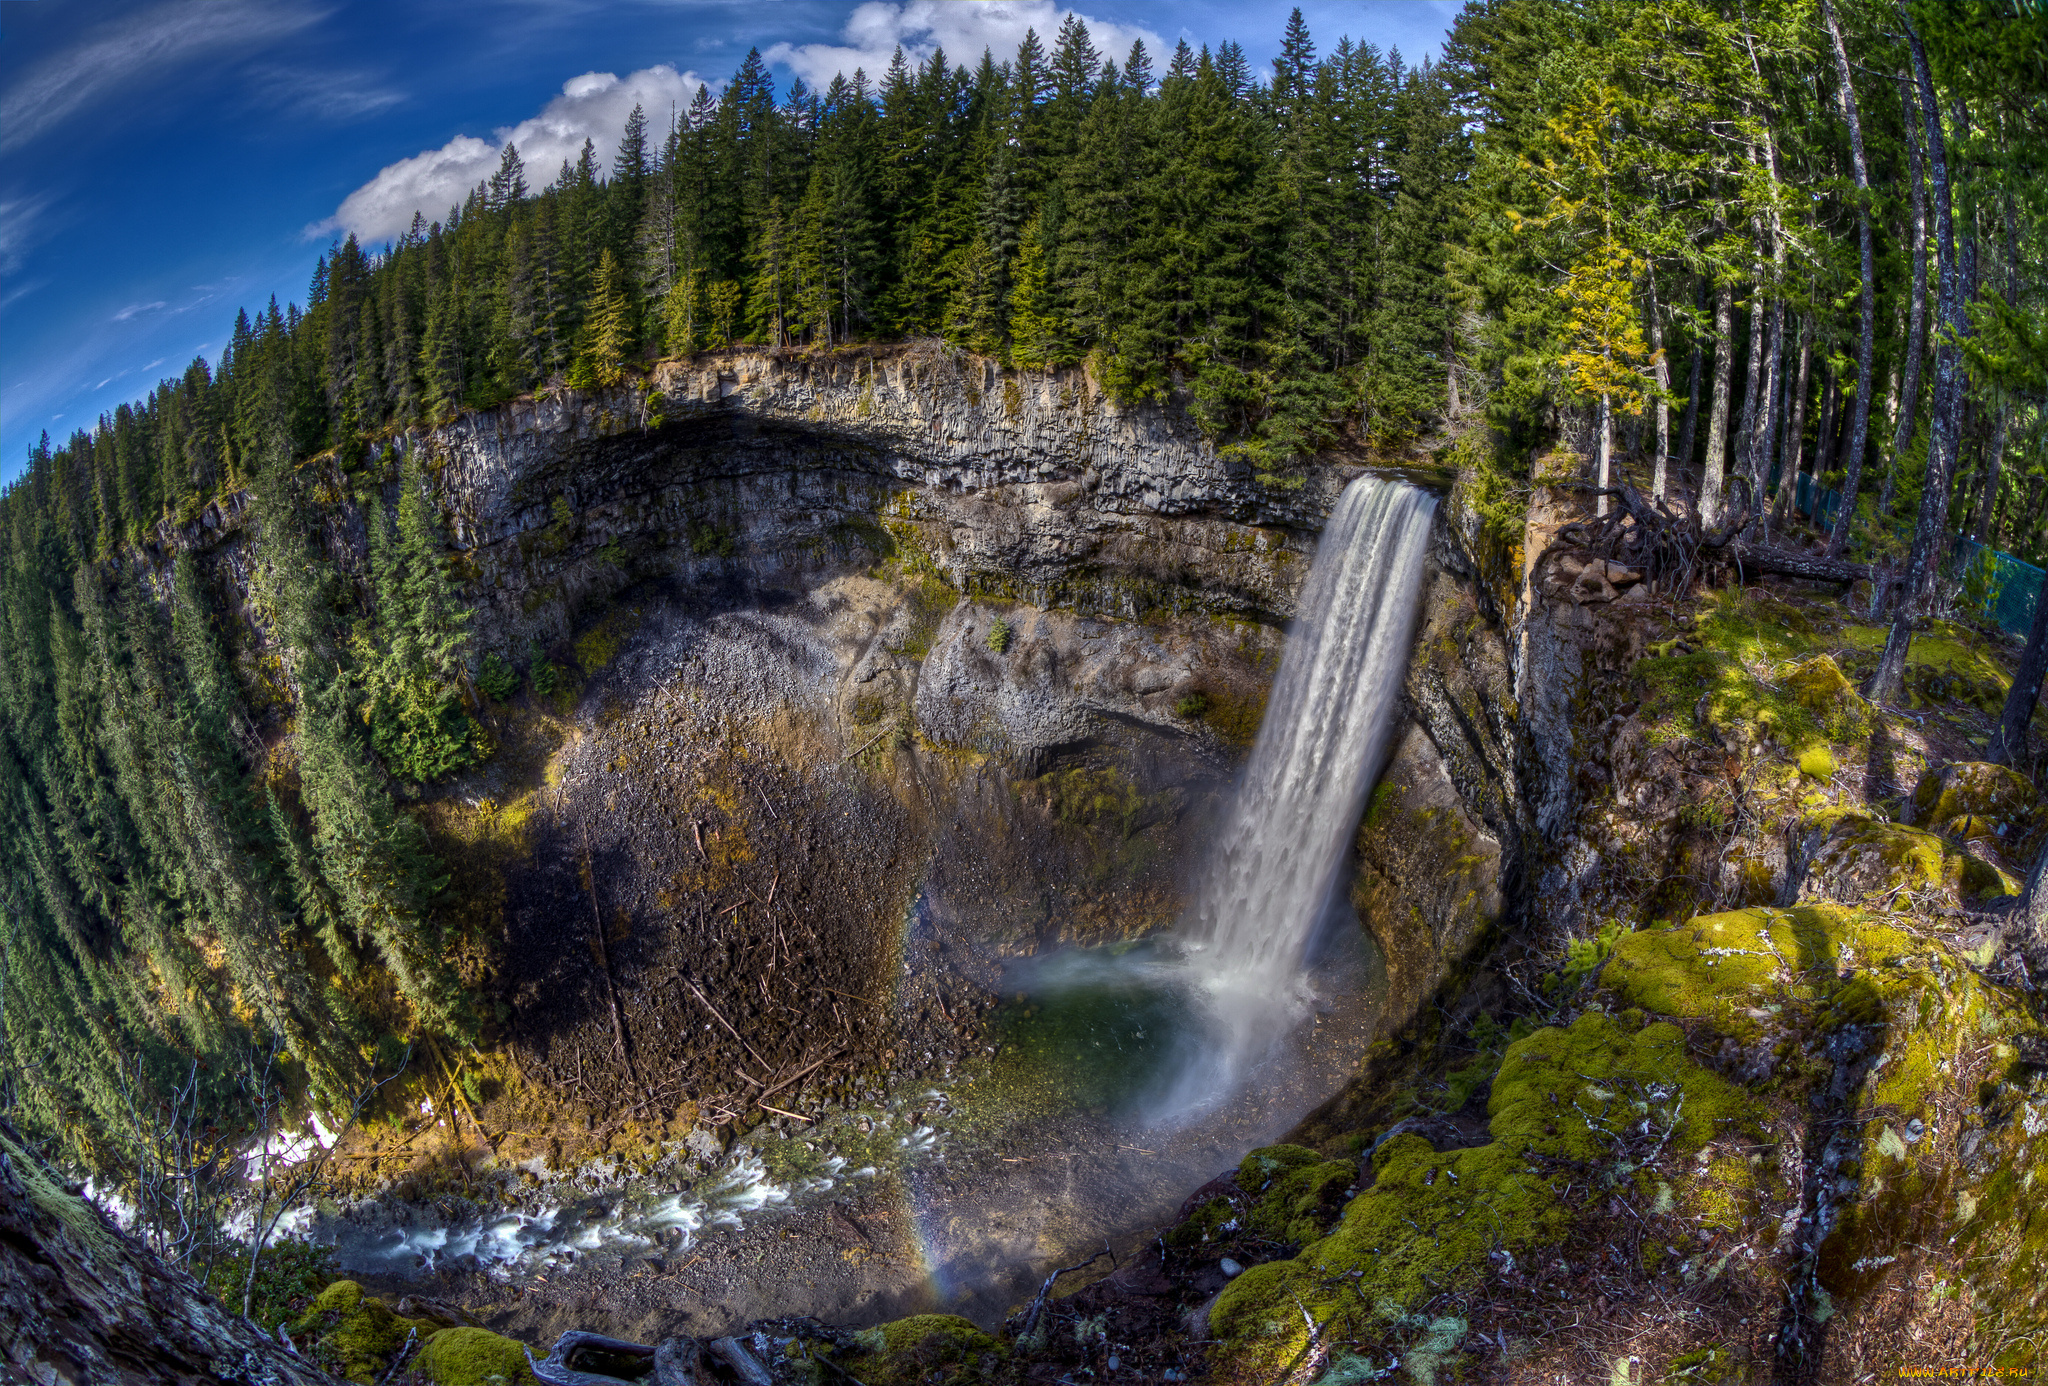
point(1319, 749)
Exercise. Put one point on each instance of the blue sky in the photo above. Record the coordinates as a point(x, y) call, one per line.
point(167, 162)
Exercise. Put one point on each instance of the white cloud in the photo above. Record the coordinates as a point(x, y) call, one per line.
point(134, 309)
point(593, 106)
point(150, 43)
point(871, 35)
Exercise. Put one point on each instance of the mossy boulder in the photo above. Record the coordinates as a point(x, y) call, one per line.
point(1432, 1221)
point(474, 1357)
point(1681, 1097)
point(1974, 798)
point(1297, 1193)
point(923, 1348)
point(354, 1335)
point(1820, 686)
point(1212, 1221)
point(1856, 858)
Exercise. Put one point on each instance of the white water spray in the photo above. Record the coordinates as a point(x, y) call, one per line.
point(1320, 747)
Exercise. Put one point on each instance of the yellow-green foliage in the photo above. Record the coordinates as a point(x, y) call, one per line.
point(598, 647)
point(1740, 638)
point(1431, 1219)
point(1817, 764)
point(1946, 661)
point(930, 600)
point(1090, 797)
point(355, 1335)
point(474, 1357)
point(922, 1348)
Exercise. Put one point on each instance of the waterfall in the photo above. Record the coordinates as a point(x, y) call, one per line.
point(1319, 749)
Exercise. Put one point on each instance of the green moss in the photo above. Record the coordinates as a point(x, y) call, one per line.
point(1430, 1221)
point(1822, 689)
point(1984, 882)
point(1996, 794)
point(1205, 1224)
point(353, 1334)
point(1299, 1203)
point(922, 1348)
point(1817, 764)
point(1257, 1171)
point(474, 1357)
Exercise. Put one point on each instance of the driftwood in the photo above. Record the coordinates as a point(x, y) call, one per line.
point(1045, 1290)
point(576, 1356)
point(723, 1021)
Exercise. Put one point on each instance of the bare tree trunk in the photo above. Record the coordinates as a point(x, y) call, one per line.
point(83, 1303)
point(1663, 369)
point(1930, 534)
point(1688, 431)
point(1451, 406)
point(1795, 434)
point(1916, 320)
point(1752, 381)
point(1824, 437)
point(1770, 405)
point(1980, 525)
point(1717, 417)
point(1866, 294)
point(1606, 453)
point(2009, 742)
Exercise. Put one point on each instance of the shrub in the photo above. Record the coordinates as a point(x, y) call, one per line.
point(999, 635)
point(498, 680)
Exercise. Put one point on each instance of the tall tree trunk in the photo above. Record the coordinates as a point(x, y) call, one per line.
point(1752, 379)
point(1795, 435)
point(1688, 431)
point(1451, 408)
point(1663, 370)
point(1916, 320)
point(1866, 295)
point(1824, 436)
point(1987, 496)
point(1985, 528)
point(1606, 452)
point(2009, 742)
point(1770, 405)
point(1930, 534)
point(1717, 417)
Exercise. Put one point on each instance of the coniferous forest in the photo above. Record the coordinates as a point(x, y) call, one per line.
point(1745, 241)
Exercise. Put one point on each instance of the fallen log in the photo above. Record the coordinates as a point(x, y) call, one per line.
point(1767, 558)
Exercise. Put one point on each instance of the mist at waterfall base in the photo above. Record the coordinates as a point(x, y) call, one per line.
point(1168, 1030)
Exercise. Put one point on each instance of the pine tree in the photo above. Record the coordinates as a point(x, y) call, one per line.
point(608, 336)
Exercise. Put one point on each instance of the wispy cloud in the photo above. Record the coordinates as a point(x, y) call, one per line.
point(874, 30)
point(122, 52)
point(19, 224)
point(593, 106)
point(330, 97)
point(134, 309)
point(20, 291)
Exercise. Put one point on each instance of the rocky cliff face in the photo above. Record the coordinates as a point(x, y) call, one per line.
point(1145, 576)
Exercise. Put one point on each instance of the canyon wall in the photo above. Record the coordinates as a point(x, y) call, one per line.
point(745, 476)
